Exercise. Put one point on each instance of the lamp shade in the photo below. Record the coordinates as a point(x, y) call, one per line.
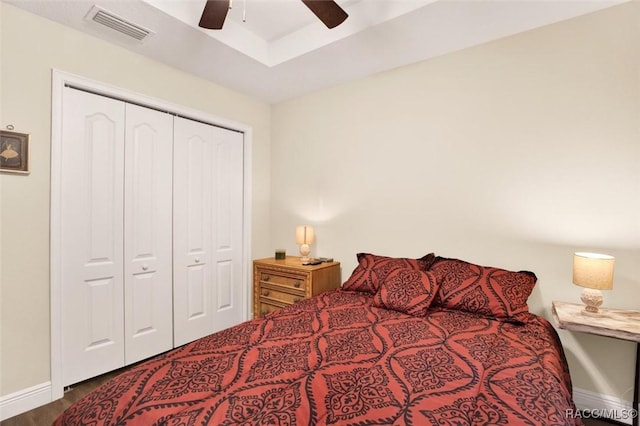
point(304, 234)
point(593, 270)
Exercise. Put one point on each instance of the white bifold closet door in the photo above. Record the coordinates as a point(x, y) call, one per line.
point(116, 253)
point(148, 201)
point(208, 206)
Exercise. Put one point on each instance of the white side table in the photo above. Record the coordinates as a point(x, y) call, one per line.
point(616, 323)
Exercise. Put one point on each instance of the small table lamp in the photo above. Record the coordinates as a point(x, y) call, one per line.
point(304, 236)
point(594, 272)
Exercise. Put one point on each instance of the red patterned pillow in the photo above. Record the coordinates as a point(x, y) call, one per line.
point(407, 290)
point(484, 290)
point(372, 270)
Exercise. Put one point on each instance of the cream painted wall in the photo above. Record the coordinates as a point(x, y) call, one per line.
point(25, 93)
point(513, 154)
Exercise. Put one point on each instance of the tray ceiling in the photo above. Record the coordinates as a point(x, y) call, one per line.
point(280, 50)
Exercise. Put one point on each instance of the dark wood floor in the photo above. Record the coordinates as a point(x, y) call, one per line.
point(45, 415)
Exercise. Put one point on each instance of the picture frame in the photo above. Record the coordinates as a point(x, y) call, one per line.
point(14, 152)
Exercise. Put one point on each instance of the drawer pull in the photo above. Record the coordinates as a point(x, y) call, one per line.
point(297, 299)
point(265, 292)
point(264, 313)
point(266, 277)
point(297, 284)
point(145, 267)
point(197, 260)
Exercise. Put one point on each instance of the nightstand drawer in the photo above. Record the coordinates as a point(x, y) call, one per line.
point(267, 308)
point(280, 296)
point(294, 282)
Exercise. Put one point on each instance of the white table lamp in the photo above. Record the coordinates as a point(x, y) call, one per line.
point(304, 236)
point(594, 272)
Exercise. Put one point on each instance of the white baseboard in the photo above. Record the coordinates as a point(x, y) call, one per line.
point(25, 400)
point(594, 404)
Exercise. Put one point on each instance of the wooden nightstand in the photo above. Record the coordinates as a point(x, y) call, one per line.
point(278, 283)
point(616, 323)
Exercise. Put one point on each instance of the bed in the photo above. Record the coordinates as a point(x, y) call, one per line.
point(405, 341)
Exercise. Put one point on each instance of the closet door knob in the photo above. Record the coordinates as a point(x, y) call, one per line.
point(145, 267)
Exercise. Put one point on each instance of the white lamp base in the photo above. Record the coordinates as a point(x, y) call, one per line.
point(592, 299)
point(304, 252)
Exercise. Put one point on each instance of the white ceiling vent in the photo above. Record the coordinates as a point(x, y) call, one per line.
point(115, 22)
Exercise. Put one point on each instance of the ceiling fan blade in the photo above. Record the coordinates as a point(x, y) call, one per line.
point(328, 11)
point(214, 14)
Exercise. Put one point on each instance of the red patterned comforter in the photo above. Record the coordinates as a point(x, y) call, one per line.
point(336, 359)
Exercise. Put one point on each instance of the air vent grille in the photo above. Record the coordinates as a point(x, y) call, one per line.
point(117, 23)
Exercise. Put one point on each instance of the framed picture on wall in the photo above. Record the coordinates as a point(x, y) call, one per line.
point(14, 152)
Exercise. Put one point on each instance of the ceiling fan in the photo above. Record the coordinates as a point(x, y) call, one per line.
point(328, 11)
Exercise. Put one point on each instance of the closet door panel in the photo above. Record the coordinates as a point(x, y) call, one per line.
point(148, 231)
point(196, 292)
point(208, 187)
point(192, 224)
point(227, 237)
point(92, 229)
